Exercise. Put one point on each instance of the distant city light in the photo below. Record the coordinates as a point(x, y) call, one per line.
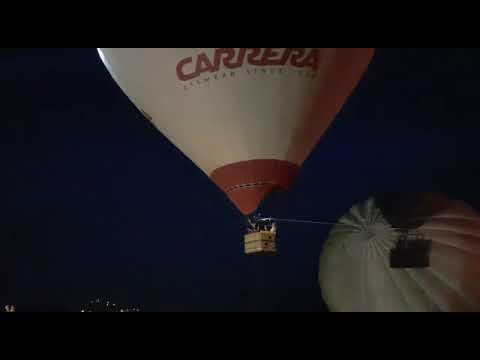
point(107, 306)
point(10, 308)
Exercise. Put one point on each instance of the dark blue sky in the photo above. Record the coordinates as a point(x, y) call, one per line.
point(86, 210)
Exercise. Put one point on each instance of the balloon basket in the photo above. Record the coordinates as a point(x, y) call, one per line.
point(413, 255)
point(262, 242)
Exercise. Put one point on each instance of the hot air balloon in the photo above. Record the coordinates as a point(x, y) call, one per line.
point(403, 252)
point(247, 117)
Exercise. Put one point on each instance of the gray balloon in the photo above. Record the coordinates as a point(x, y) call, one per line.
point(355, 272)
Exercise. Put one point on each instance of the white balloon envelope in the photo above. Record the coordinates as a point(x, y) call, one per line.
point(248, 117)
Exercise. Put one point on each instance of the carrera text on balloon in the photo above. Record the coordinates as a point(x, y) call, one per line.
point(234, 58)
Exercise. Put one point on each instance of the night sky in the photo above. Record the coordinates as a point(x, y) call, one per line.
point(86, 210)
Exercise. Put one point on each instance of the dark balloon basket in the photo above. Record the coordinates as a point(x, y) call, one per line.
point(411, 254)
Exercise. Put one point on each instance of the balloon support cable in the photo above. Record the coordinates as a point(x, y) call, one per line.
point(411, 251)
point(262, 235)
